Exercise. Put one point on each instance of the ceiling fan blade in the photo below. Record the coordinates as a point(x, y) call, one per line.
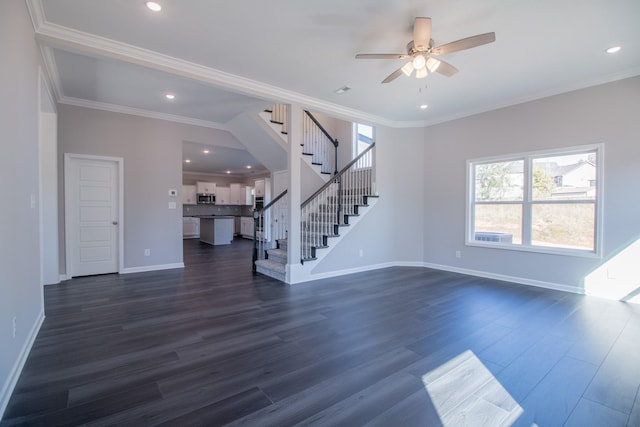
point(393, 76)
point(463, 44)
point(445, 68)
point(382, 56)
point(421, 33)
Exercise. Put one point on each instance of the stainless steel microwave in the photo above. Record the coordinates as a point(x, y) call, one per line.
point(206, 199)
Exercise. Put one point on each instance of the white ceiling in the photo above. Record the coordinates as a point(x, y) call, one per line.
point(219, 160)
point(223, 57)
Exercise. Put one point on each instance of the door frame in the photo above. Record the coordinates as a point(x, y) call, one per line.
point(119, 161)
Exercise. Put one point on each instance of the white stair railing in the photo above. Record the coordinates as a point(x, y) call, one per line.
point(328, 208)
point(316, 141)
point(269, 226)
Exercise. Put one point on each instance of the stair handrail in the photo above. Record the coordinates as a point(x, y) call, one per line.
point(338, 175)
point(333, 140)
point(271, 203)
point(257, 214)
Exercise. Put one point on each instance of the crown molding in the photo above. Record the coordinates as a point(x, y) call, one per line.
point(56, 36)
point(77, 102)
point(52, 72)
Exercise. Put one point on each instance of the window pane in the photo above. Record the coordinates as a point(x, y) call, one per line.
point(565, 177)
point(499, 181)
point(565, 225)
point(498, 223)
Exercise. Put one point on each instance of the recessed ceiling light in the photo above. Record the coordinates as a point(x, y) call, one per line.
point(170, 96)
point(614, 49)
point(152, 5)
point(342, 90)
point(424, 106)
point(205, 151)
point(248, 166)
point(228, 171)
point(187, 161)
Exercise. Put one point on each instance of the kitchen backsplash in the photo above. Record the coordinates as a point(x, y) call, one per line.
point(193, 210)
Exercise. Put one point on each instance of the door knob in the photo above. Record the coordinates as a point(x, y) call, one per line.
point(115, 223)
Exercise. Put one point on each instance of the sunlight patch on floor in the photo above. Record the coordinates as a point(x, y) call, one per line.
point(617, 278)
point(465, 392)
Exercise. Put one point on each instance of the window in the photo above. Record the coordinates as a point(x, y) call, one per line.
point(543, 202)
point(363, 137)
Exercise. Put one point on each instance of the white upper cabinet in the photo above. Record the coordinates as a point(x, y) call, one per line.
point(238, 194)
point(223, 196)
point(206, 187)
point(259, 188)
point(189, 195)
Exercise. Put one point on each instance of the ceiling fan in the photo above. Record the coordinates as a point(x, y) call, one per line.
point(423, 53)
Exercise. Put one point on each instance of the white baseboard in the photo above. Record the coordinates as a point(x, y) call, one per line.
point(503, 277)
point(64, 277)
point(469, 272)
point(12, 380)
point(361, 269)
point(151, 268)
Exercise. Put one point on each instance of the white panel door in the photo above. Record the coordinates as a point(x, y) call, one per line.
point(93, 216)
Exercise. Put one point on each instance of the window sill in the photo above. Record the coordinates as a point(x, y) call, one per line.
point(536, 249)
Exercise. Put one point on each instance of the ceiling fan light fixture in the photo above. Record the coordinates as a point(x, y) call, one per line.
point(432, 64)
point(421, 73)
point(154, 6)
point(407, 69)
point(419, 62)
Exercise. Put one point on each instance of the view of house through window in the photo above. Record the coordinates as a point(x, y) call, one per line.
point(363, 137)
point(536, 201)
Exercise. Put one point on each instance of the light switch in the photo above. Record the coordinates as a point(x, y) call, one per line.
point(172, 205)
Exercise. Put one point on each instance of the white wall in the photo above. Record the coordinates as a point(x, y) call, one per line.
point(152, 153)
point(20, 287)
point(608, 113)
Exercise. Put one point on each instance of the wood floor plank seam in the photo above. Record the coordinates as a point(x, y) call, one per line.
point(213, 344)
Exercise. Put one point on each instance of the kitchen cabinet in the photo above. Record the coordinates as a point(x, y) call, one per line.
point(241, 195)
point(206, 187)
point(217, 230)
point(248, 195)
point(259, 188)
point(190, 227)
point(223, 196)
point(189, 195)
point(246, 227)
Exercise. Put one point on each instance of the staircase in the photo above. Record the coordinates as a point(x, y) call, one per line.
point(326, 217)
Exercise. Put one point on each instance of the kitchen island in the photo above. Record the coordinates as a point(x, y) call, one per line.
point(217, 229)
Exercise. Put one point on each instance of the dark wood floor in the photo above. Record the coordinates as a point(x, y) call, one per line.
point(212, 345)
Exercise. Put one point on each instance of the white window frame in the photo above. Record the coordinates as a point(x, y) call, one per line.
point(527, 202)
point(354, 147)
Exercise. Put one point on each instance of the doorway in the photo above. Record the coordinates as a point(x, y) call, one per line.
point(93, 214)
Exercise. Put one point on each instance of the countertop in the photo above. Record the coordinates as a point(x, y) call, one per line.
point(212, 216)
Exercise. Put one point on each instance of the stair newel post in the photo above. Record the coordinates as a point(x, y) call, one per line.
point(335, 157)
point(339, 197)
point(256, 214)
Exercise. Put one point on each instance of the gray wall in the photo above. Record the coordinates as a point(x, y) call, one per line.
point(608, 113)
point(393, 232)
point(20, 287)
point(152, 153)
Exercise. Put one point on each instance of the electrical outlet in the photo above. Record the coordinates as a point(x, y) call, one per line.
point(147, 252)
point(15, 329)
point(458, 254)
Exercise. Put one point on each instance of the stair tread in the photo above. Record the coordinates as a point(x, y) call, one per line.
point(271, 265)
